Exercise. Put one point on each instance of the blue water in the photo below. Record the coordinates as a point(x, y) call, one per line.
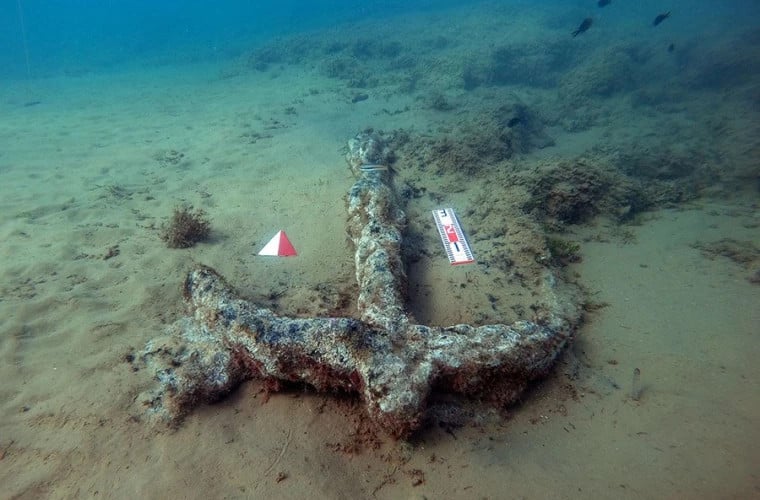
point(100, 34)
point(96, 35)
point(114, 112)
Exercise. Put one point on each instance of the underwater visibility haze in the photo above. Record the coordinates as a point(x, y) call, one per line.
point(434, 249)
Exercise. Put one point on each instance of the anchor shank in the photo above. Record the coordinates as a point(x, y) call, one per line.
point(374, 225)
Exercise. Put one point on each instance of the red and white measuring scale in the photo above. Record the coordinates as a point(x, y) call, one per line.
point(452, 236)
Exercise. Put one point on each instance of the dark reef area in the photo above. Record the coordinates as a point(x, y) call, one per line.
point(629, 123)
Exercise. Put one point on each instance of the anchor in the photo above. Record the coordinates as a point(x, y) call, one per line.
point(383, 356)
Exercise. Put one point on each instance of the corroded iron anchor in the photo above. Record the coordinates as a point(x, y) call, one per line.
point(383, 356)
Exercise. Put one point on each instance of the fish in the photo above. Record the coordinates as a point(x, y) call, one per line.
point(603, 3)
point(585, 25)
point(374, 167)
point(660, 18)
point(671, 47)
point(514, 121)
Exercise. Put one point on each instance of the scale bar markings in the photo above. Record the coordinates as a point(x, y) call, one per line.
point(453, 239)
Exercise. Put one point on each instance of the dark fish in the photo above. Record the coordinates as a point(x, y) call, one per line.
point(671, 47)
point(585, 25)
point(603, 3)
point(514, 121)
point(660, 18)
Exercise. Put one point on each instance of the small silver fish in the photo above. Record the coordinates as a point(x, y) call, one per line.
point(374, 168)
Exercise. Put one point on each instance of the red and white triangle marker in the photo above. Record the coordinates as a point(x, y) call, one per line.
point(279, 246)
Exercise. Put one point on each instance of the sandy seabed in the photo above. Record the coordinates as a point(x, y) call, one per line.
point(94, 169)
